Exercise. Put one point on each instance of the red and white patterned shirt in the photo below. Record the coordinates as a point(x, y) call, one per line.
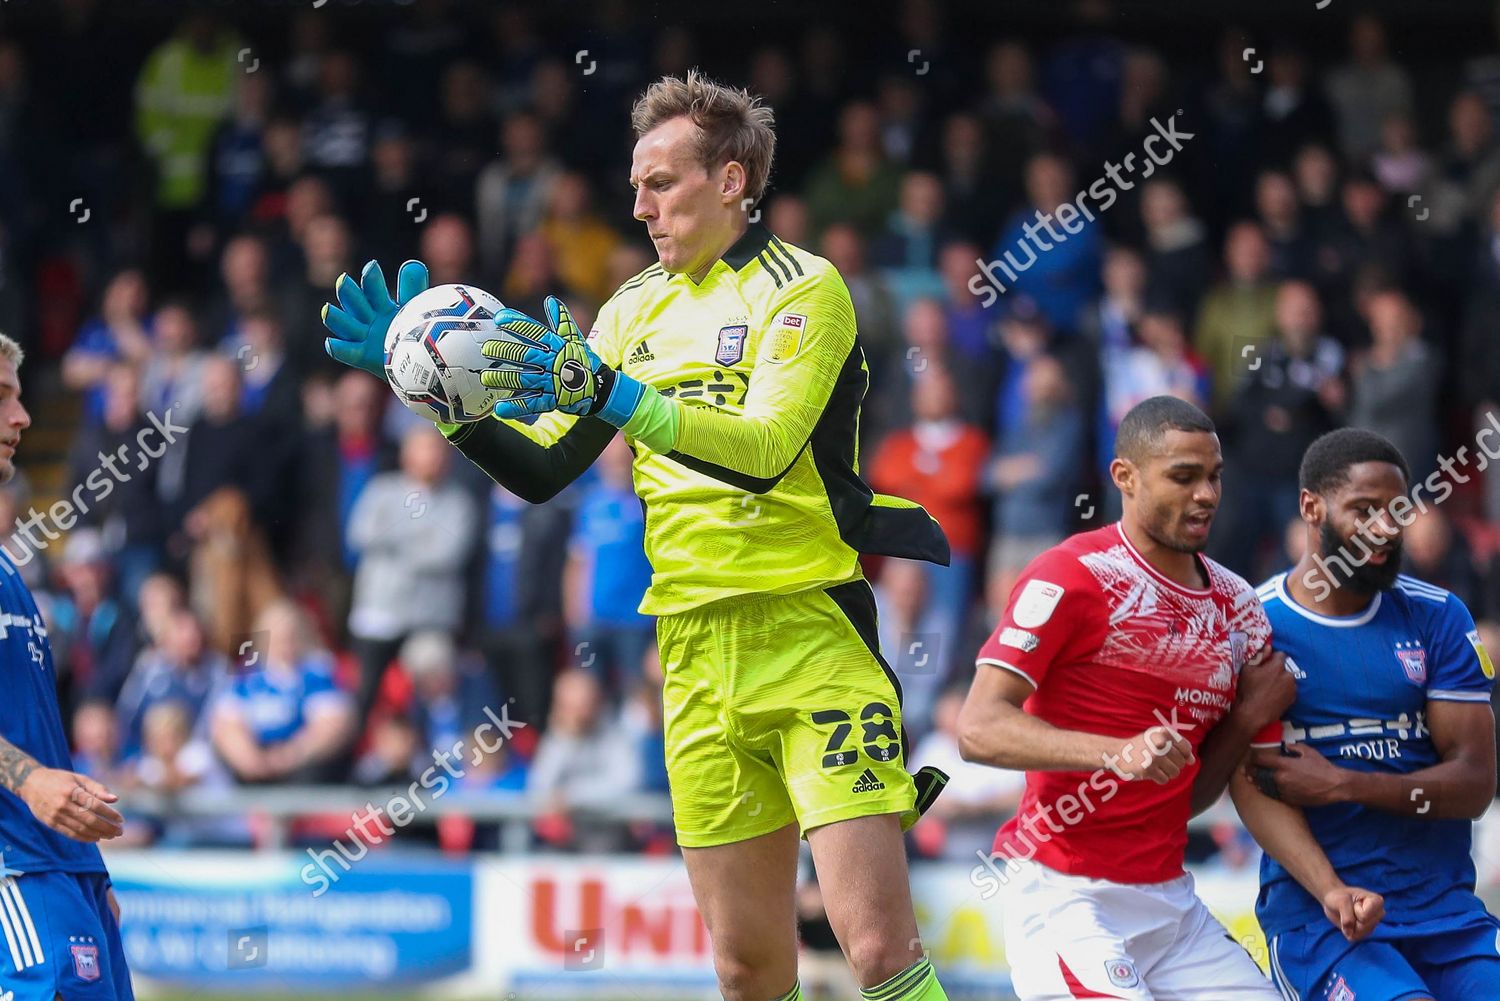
point(1114, 647)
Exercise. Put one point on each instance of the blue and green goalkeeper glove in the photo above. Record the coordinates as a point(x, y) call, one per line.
point(557, 370)
point(364, 313)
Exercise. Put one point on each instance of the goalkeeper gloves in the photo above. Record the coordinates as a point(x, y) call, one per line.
point(365, 310)
point(556, 370)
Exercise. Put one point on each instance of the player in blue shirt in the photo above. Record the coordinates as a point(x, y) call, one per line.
point(1389, 750)
point(59, 923)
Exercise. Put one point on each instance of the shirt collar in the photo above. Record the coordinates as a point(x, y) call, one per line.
point(751, 242)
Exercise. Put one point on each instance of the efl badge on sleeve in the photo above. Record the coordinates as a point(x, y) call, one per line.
point(86, 961)
point(731, 344)
point(1413, 661)
point(1485, 664)
point(1038, 600)
point(785, 337)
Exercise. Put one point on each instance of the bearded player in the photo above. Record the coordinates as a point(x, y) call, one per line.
point(733, 369)
point(59, 923)
point(1390, 749)
point(1128, 677)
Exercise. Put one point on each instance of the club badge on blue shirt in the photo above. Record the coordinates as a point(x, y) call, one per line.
point(1413, 661)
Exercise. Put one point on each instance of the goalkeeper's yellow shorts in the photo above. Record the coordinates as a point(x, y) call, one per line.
point(780, 709)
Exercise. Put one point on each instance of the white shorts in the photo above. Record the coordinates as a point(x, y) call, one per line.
point(1073, 937)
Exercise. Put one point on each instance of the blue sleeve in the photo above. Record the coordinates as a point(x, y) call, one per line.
point(1460, 670)
point(583, 530)
point(232, 696)
point(318, 680)
point(95, 339)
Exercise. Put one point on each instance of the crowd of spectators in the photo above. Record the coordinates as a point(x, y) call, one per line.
point(310, 586)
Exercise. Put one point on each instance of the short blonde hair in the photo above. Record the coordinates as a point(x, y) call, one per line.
point(732, 124)
point(9, 349)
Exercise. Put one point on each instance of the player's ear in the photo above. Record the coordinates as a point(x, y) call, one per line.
point(1123, 473)
point(732, 182)
point(1311, 507)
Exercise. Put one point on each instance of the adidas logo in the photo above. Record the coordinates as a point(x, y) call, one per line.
point(867, 782)
point(640, 354)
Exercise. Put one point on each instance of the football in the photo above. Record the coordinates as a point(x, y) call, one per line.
point(433, 357)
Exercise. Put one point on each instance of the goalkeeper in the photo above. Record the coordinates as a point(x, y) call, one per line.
point(733, 369)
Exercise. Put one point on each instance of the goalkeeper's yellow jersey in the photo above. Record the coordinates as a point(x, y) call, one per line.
point(761, 493)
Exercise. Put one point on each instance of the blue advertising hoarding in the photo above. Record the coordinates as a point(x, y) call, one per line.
point(251, 924)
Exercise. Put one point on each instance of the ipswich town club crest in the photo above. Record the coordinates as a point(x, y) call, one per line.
point(86, 961)
point(731, 344)
point(1413, 661)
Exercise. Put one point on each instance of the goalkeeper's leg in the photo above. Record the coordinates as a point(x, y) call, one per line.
point(862, 872)
point(746, 894)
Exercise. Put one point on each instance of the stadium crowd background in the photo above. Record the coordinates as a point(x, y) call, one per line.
point(1323, 250)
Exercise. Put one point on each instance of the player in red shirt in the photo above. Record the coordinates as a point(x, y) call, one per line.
point(1128, 677)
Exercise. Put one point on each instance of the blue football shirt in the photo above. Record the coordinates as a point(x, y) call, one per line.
point(32, 721)
point(1363, 685)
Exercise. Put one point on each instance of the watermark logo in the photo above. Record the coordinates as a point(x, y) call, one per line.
point(585, 950)
point(114, 468)
point(248, 947)
point(1332, 571)
point(250, 649)
point(1070, 808)
point(750, 510)
point(920, 653)
point(327, 865)
point(1164, 143)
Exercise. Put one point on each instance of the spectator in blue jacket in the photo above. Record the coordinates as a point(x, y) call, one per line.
point(1033, 476)
point(1055, 265)
point(608, 573)
point(282, 718)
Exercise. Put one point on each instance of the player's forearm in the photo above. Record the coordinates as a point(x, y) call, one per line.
point(747, 450)
point(533, 471)
point(1282, 833)
point(1006, 736)
point(1219, 756)
point(15, 766)
point(1451, 790)
point(235, 745)
point(324, 735)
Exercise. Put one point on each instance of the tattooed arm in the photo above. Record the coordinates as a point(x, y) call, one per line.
point(67, 802)
point(15, 766)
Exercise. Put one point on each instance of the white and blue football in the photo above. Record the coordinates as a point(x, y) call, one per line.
point(432, 356)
